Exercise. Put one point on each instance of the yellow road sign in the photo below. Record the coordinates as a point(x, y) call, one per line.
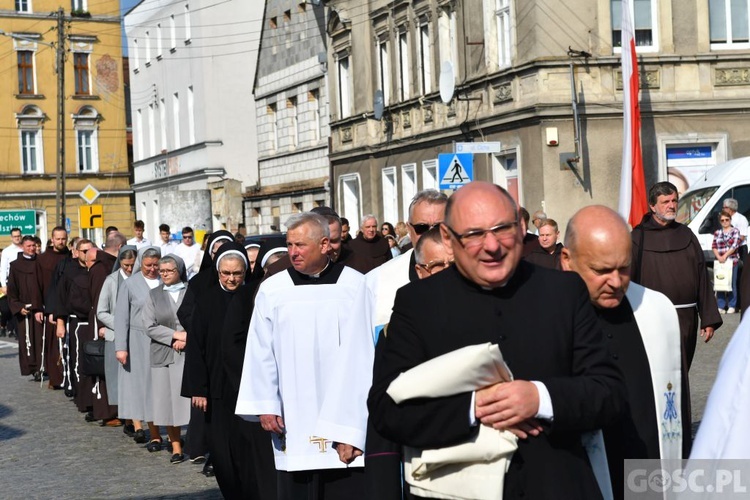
point(91, 216)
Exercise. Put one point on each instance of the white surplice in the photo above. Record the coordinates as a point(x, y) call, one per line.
point(309, 359)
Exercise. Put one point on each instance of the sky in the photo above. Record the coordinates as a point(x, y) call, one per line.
point(126, 5)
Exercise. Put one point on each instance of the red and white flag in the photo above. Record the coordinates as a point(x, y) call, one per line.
point(633, 203)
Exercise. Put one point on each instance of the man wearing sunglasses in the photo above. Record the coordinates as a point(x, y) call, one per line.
point(565, 382)
point(426, 211)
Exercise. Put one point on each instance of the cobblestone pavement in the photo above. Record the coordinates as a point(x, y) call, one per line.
point(48, 450)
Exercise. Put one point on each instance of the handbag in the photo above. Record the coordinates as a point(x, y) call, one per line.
point(723, 276)
point(92, 360)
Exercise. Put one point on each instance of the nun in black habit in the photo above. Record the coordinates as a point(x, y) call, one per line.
point(240, 450)
point(197, 437)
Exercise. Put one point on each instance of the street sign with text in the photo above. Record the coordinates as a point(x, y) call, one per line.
point(478, 147)
point(25, 220)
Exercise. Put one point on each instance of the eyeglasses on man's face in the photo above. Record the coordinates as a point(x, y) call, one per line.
point(475, 237)
point(187, 236)
point(423, 227)
point(435, 266)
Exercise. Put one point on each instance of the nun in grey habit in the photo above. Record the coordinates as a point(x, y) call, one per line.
point(105, 313)
point(168, 340)
point(133, 346)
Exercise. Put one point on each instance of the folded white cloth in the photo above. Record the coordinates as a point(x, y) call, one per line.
point(471, 470)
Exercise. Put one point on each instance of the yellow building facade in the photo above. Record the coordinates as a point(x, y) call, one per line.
point(93, 115)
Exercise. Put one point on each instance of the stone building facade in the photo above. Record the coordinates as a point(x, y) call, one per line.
point(515, 65)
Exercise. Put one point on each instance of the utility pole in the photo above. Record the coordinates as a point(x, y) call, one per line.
point(60, 200)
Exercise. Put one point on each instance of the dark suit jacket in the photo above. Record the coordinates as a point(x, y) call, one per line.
point(547, 331)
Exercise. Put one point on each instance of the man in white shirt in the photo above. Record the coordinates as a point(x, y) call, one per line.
point(166, 244)
point(188, 251)
point(9, 254)
point(308, 325)
point(138, 240)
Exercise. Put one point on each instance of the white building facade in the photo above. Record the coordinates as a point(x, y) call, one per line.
point(192, 65)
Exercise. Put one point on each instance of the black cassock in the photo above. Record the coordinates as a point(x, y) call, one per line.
point(635, 435)
point(241, 451)
point(560, 344)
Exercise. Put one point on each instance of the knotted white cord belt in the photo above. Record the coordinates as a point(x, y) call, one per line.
point(28, 337)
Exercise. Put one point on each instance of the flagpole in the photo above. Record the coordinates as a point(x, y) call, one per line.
point(632, 203)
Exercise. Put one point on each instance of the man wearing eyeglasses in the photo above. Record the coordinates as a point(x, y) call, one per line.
point(431, 255)
point(426, 211)
point(565, 382)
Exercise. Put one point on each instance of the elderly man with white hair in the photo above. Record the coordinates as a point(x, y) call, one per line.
point(370, 245)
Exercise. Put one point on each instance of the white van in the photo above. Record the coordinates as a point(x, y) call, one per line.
point(699, 207)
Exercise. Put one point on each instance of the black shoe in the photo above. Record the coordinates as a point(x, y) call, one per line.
point(177, 458)
point(208, 470)
point(37, 377)
point(154, 445)
point(199, 460)
point(128, 430)
point(71, 393)
point(89, 417)
point(12, 335)
point(139, 436)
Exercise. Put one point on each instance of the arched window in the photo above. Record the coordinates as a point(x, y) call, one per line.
point(30, 121)
point(85, 124)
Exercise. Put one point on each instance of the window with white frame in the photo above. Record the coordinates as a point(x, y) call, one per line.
point(151, 130)
point(384, 70)
point(448, 37)
point(148, 48)
point(505, 173)
point(430, 175)
point(503, 22)
point(139, 134)
point(88, 160)
point(172, 33)
point(163, 124)
point(408, 185)
point(404, 77)
point(191, 115)
point(187, 23)
point(158, 41)
point(31, 152)
point(729, 24)
point(390, 195)
point(176, 119)
point(350, 196)
point(23, 6)
point(425, 59)
point(291, 109)
point(643, 13)
point(344, 85)
point(271, 120)
point(87, 142)
point(313, 100)
point(29, 122)
point(136, 56)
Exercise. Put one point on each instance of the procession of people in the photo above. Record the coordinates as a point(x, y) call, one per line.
point(287, 373)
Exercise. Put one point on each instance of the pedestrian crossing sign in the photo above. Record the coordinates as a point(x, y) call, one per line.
point(455, 169)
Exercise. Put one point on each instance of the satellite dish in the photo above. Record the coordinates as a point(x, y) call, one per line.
point(447, 82)
point(377, 102)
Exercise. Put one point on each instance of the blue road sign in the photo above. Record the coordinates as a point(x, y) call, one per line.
point(455, 169)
